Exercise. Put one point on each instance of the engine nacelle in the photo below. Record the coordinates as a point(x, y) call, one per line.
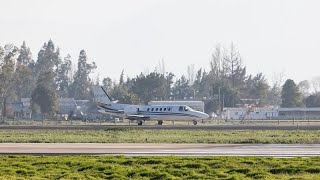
point(131, 110)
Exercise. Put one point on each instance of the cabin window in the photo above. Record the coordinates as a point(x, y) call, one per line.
point(160, 109)
point(148, 109)
point(169, 109)
point(156, 109)
point(181, 108)
point(152, 109)
point(164, 109)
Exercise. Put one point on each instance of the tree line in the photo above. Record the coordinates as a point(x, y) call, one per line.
point(224, 83)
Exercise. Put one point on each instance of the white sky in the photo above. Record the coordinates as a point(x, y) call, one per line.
point(273, 36)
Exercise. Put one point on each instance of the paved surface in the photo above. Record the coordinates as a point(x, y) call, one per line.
point(150, 149)
point(182, 127)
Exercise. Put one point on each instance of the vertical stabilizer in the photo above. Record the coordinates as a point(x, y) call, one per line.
point(100, 95)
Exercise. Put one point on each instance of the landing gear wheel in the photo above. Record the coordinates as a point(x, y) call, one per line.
point(160, 122)
point(139, 123)
point(195, 122)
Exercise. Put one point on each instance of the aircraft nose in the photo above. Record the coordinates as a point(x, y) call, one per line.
point(205, 116)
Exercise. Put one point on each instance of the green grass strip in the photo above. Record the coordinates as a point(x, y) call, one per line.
point(169, 167)
point(160, 136)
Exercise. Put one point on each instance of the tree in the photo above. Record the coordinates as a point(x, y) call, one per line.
point(107, 84)
point(233, 65)
point(24, 83)
point(121, 93)
point(25, 55)
point(197, 84)
point(153, 86)
point(290, 95)
point(316, 84)
point(258, 88)
point(24, 72)
point(304, 87)
point(227, 72)
point(313, 100)
point(8, 57)
point(45, 94)
point(182, 89)
point(218, 63)
point(82, 82)
point(168, 86)
point(121, 80)
point(64, 78)
point(161, 67)
point(274, 94)
point(48, 58)
point(190, 74)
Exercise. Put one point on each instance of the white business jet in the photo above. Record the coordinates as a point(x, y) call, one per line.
point(141, 113)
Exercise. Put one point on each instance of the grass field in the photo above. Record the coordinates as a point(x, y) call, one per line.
point(159, 136)
point(120, 167)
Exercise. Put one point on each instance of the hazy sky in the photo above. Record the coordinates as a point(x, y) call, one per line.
point(273, 36)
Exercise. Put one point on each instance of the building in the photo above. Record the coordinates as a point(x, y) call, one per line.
point(22, 108)
point(196, 105)
point(67, 106)
point(300, 113)
point(82, 106)
point(250, 113)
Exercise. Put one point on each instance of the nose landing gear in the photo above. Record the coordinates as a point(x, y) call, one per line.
point(160, 122)
point(194, 122)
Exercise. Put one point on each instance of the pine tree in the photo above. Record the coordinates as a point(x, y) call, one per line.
point(25, 55)
point(8, 56)
point(107, 83)
point(290, 95)
point(48, 58)
point(82, 82)
point(45, 94)
point(24, 70)
point(63, 79)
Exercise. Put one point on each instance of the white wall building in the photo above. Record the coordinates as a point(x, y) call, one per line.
point(255, 113)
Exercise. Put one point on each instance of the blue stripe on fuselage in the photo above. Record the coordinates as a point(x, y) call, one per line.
point(148, 113)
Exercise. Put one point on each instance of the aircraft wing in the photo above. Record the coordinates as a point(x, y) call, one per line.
point(136, 117)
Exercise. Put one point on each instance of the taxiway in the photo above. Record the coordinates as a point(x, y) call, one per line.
point(150, 149)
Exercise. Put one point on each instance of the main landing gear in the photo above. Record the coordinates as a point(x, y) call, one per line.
point(194, 122)
point(160, 122)
point(140, 123)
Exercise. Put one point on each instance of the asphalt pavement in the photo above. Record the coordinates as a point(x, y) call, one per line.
point(161, 149)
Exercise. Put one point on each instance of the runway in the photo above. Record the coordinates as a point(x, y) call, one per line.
point(163, 127)
point(150, 149)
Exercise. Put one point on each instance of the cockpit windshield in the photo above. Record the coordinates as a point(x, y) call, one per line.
point(184, 108)
point(187, 108)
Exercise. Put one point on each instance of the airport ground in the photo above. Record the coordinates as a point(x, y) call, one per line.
point(214, 122)
point(161, 136)
point(164, 167)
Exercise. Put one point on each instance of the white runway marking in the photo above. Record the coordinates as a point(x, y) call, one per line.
point(149, 149)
